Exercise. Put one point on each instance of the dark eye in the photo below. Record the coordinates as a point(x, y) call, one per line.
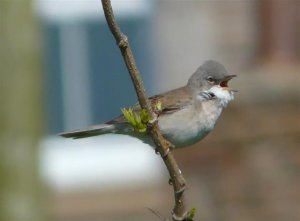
point(210, 79)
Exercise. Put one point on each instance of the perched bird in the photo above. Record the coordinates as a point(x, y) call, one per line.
point(187, 114)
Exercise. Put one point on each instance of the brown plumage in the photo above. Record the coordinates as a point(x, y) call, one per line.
point(187, 114)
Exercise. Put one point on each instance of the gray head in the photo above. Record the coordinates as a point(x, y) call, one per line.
point(209, 74)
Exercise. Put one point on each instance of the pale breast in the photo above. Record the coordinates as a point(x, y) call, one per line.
point(189, 125)
point(209, 114)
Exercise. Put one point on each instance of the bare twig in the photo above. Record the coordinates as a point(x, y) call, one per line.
point(163, 146)
point(156, 213)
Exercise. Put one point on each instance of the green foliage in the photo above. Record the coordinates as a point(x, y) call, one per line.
point(191, 214)
point(137, 119)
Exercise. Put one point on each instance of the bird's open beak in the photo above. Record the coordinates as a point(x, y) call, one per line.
point(224, 83)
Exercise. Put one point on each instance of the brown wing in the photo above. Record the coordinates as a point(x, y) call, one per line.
point(171, 102)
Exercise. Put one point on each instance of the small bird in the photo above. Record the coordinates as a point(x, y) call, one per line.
point(187, 114)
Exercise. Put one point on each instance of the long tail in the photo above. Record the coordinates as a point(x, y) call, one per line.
point(94, 131)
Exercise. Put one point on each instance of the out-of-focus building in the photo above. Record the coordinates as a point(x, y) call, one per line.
point(246, 169)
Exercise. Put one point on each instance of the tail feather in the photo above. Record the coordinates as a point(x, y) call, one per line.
point(92, 131)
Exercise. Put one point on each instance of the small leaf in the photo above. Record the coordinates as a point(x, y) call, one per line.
point(145, 116)
point(138, 120)
point(190, 215)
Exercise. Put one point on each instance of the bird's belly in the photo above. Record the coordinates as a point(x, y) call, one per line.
point(185, 127)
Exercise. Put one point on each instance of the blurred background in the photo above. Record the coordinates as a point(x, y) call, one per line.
point(61, 70)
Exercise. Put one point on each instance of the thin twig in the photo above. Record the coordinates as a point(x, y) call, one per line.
point(163, 146)
point(156, 213)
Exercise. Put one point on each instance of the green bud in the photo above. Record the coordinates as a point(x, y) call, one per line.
point(137, 119)
point(191, 214)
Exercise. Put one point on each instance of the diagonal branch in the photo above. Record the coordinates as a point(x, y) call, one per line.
point(163, 146)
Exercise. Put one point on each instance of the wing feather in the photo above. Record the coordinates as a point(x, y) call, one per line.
point(171, 102)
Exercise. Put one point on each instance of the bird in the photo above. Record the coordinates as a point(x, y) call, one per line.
point(187, 114)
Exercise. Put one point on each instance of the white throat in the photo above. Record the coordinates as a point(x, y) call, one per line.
point(222, 94)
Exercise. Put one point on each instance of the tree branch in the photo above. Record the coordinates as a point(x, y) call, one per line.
point(163, 146)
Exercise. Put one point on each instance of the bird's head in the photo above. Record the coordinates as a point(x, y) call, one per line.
point(212, 77)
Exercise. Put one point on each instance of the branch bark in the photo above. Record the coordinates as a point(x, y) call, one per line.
point(163, 146)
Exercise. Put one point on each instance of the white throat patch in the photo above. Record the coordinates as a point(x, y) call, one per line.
point(222, 94)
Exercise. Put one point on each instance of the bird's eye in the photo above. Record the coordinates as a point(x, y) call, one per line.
point(210, 79)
